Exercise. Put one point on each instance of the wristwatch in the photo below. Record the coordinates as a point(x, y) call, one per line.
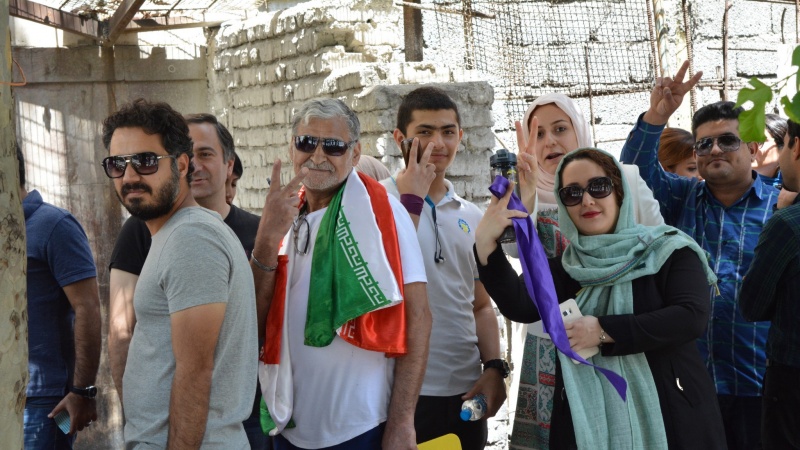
point(499, 364)
point(88, 391)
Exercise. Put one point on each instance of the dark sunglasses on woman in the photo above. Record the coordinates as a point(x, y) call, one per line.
point(143, 163)
point(600, 187)
point(726, 142)
point(331, 147)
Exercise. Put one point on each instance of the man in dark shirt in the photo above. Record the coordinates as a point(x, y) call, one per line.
point(213, 162)
point(770, 292)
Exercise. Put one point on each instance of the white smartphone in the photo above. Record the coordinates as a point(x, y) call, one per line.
point(569, 312)
point(62, 420)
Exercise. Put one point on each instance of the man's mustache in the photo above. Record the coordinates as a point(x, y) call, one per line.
point(325, 165)
point(126, 188)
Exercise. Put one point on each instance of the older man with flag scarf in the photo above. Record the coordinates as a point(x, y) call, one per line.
point(342, 301)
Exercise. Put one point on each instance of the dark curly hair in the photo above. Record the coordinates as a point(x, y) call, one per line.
point(153, 118)
point(603, 160)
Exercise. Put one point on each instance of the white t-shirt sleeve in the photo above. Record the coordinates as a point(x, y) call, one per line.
point(410, 253)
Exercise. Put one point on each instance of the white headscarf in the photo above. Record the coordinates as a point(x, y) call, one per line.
point(545, 181)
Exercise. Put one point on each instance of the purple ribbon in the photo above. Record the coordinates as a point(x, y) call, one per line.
point(543, 292)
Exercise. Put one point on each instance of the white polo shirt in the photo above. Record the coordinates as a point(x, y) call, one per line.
point(454, 363)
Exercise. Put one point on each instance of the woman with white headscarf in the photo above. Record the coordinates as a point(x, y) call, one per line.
point(561, 129)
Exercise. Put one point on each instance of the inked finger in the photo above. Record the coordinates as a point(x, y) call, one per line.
point(275, 183)
point(413, 152)
point(294, 183)
point(426, 155)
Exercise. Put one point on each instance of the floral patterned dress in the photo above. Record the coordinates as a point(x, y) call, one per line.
point(537, 377)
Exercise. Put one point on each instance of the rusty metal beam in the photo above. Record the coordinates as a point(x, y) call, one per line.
point(168, 23)
point(121, 18)
point(35, 12)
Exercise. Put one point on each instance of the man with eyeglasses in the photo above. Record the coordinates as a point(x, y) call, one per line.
point(190, 372)
point(63, 324)
point(725, 214)
point(341, 283)
point(214, 162)
point(465, 331)
point(770, 292)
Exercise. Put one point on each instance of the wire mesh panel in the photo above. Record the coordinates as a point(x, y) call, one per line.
point(528, 48)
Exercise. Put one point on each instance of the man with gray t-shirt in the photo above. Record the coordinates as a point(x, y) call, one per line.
point(191, 370)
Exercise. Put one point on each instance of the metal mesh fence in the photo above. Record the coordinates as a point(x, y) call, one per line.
point(531, 47)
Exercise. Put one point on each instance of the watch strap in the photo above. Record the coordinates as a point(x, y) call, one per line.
point(499, 364)
point(88, 391)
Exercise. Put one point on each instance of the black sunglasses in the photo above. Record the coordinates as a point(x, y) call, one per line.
point(600, 187)
point(725, 142)
point(331, 147)
point(143, 163)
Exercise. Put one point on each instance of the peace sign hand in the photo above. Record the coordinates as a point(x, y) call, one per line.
point(667, 95)
point(417, 177)
point(280, 205)
point(527, 165)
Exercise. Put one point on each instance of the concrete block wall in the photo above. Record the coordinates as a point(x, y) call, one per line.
point(261, 70)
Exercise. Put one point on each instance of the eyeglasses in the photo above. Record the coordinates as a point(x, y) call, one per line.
point(600, 187)
point(143, 163)
point(331, 147)
point(726, 142)
point(301, 246)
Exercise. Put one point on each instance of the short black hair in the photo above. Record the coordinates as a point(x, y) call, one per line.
point(776, 127)
point(21, 161)
point(713, 112)
point(225, 138)
point(238, 168)
point(153, 118)
point(426, 98)
point(793, 130)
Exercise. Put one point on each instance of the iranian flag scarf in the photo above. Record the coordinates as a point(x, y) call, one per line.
point(355, 292)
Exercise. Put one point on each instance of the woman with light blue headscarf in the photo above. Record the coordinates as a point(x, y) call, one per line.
point(644, 295)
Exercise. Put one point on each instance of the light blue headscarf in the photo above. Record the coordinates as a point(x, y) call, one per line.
point(605, 265)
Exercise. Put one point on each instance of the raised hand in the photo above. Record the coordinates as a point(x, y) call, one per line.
point(667, 95)
point(280, 205)
point(527, 164)
point(496, 218)
point(417, 177)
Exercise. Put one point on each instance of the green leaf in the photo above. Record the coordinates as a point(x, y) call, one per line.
point(792, 109)
point(752, 124)
point(796, 56)
point(753, 121)
point(796, 62)
point(760, 93)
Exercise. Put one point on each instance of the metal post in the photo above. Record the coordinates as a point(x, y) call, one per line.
point(412, 27)
point(689, 52)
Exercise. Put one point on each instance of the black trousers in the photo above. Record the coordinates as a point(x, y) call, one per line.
point(437, 416)
point(741, 417)
point(780, 422)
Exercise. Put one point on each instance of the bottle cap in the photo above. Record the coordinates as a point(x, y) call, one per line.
point(466, 414)
point(503, 157)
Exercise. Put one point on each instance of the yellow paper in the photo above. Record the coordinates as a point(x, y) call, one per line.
point(446, 442)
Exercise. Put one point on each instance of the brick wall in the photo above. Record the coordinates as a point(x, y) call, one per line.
point(262, 70)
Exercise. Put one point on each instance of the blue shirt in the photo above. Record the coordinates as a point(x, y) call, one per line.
point(58, 255)
point(733, 347)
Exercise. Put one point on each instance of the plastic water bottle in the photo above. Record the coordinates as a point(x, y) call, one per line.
point(474, 408)
point(504, 163)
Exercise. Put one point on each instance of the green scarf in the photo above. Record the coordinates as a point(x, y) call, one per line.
point(605, 265)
